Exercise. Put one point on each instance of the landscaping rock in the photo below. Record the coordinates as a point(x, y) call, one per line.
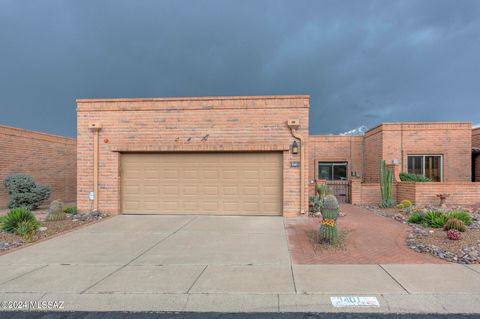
point(42, 228)
point(468, 255)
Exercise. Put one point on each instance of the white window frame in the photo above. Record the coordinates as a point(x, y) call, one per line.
point(423, 163)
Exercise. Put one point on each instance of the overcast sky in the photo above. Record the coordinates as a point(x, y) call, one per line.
point(362, 62)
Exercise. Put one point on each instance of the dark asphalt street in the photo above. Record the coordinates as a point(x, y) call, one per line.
point(216, 315)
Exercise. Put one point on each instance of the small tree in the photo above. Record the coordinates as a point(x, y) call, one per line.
point(24, 192)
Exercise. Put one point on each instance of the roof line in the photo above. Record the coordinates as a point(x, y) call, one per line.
point(204, 98)
point(20, 130)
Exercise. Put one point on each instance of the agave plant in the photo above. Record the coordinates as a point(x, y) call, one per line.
point(16, 216)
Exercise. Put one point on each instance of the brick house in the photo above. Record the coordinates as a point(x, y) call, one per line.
point(476, 154)
point(248, 155)
point(49, 159)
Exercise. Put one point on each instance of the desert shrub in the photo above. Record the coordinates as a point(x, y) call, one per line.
point(454, 223)
point(27, 229)
point(55, 212)
point(15, 217)
point(453, 234)
point(404, 204)
point(24, 192)
point(464, 216)
point(430, 216)
point(439, 221)
point(315, 203)
point(323, 190)
point(72, 210)
point(415, 218)
point(409, 177)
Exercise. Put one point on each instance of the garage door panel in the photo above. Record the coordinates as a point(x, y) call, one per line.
point(210, 190)
point(210, 183)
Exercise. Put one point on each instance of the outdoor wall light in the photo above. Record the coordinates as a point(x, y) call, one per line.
point(294, 147)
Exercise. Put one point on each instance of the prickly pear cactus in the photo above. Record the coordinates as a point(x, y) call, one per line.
point(328, 226)
point(55, 212)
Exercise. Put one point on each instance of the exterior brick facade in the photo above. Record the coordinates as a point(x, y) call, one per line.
point(461, 193)
point(50, 159)
point(335, 148)
point(476, 158)
point(182, 125)
point(395, 141)
point(246, 124)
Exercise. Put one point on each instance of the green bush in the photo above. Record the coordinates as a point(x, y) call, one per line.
point(463, 216)
point(433, 218)
point(454, 223)
point(431, 215)
point(17, 216)
point(439, 221)
point(72, 210)
point(24, 192)
point(409, 177)
point(404, 204)
point(415, 218)
point(27, 229)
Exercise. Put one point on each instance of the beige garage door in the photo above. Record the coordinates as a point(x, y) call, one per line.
point(202, 183)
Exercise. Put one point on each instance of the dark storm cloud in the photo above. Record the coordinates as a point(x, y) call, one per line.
point(362, 62)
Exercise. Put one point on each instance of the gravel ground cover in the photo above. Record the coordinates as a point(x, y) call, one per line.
point(434, 241)
point(48, 229)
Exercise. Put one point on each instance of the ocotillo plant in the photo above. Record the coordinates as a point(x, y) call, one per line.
point(328, 226)
point(386, 184)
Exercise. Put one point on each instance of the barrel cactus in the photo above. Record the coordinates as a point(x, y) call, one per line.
point(328, 226)
point(55, 212)
point(454, 223)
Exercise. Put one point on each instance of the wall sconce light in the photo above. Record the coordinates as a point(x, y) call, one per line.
point(294, 147)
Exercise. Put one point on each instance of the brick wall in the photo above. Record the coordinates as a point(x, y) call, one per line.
point(48, 158)
point(461, 193)
point(335, 148)
point(373, 141)
point(395, 141)
point(370, 193)
point(476, 144)
point(157, 125)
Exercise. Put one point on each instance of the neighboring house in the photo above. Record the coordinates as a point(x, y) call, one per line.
point(476, 154)
point(251, 155)
point(49, 159)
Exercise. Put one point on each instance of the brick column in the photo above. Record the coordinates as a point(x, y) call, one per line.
point(355, 190)
point(395, 171)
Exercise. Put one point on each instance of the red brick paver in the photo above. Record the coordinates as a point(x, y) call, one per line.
point(372, 239)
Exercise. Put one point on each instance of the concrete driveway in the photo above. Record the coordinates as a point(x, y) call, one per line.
point(213, 263)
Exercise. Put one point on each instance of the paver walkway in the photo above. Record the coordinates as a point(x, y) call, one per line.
point(372, 239)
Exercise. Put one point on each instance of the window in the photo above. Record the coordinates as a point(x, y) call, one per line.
point(332, 171)
point(427, 165)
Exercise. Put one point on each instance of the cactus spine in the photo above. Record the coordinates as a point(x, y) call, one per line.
point(386, 184)
point(328, 229)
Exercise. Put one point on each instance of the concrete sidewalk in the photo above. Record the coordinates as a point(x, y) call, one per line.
point(228, 264)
